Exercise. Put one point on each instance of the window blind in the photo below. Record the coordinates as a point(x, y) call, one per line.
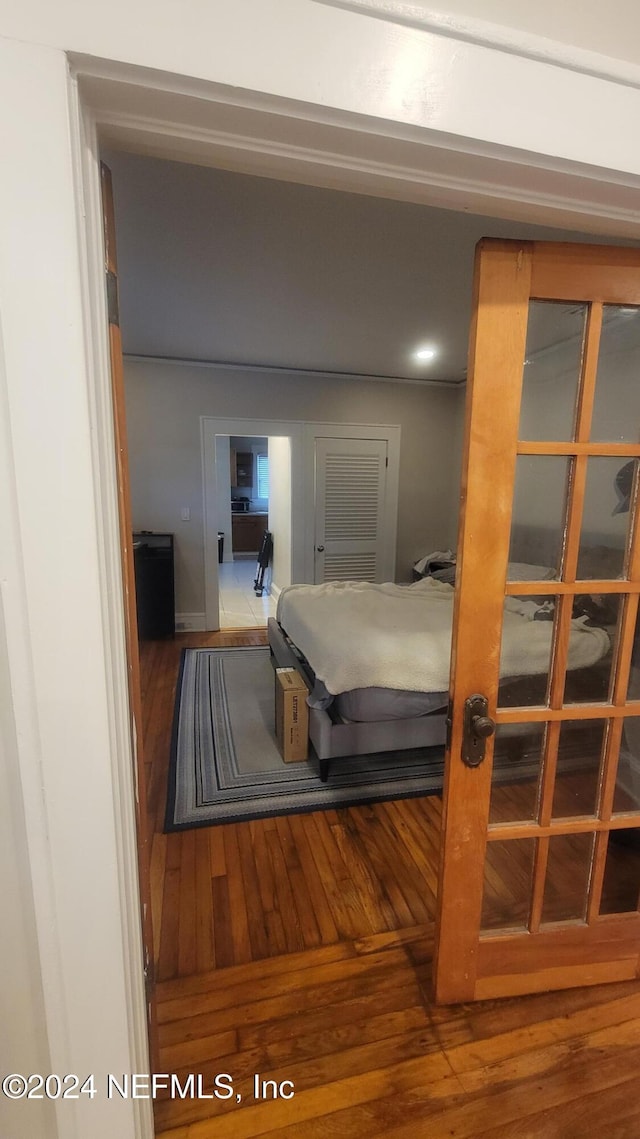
point(262, 473)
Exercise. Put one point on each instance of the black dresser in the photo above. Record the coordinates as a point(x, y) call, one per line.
point(155, 603)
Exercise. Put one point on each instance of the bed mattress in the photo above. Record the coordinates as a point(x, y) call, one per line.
point(360, 635)
point(370, 705)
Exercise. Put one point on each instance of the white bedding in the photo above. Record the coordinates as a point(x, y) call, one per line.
point(361, 635)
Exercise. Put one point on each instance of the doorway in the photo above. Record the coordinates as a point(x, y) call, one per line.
point(298, 507)
point(48, 211)
point(250, 500)
point(241, 939)
point(241, 457)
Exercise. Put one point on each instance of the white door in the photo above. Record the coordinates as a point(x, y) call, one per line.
point(350, 495)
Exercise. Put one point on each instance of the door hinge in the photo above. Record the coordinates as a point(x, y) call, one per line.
point(113, 311)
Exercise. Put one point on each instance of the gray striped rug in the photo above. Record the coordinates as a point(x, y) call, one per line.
point(225, 764)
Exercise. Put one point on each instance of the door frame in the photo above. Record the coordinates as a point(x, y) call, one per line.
point(489, 181)
point(209, 428)
point(302, 435)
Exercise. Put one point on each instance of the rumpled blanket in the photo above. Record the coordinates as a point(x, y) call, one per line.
point(360, 635)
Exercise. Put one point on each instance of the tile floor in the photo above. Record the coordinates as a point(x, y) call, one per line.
point(240, 607)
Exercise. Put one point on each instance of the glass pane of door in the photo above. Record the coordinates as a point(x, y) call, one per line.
point(555, 338)
point(603, 540)
point(525, 656)
point(507, 884)
point(592, 683)
point(538, 517)
point(626, 796)
point(616, 411)
point(621, 884)
point(515, 777)
point(567, 878)
point(577, 782)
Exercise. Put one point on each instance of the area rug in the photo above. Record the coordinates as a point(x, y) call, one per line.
point(225, 764)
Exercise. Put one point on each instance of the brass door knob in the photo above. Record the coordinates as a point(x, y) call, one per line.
point(482, 726)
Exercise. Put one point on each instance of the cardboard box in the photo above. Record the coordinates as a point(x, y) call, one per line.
point(292, 715)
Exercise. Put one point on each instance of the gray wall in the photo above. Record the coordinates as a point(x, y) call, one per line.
point(164, 405)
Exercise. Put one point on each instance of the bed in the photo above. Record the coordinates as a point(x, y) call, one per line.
point(375, 658)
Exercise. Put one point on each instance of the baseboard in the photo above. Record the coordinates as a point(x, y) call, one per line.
point(274, 591)
point(190, 623)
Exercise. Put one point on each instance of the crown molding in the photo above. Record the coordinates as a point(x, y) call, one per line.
point(294, 373)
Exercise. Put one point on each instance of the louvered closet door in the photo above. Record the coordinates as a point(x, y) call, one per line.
point(350, 495)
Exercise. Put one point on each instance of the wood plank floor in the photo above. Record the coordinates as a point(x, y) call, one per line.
point(299, 949)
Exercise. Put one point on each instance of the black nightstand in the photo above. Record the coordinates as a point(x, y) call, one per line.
point(155, 603)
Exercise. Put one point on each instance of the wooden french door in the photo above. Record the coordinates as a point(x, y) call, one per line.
point(540, 868)
point(143, 828)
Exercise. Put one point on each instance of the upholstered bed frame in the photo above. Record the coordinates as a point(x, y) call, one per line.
point(333, 738)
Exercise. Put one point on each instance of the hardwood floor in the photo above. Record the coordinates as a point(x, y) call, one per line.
point(299, 949)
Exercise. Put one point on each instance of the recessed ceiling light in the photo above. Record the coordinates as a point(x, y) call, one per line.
point(425, 353)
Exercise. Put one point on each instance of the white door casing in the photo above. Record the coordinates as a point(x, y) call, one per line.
point(85, 1023)
point(303, 438)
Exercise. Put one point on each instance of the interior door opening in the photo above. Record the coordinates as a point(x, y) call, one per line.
point(242, 894)
point(253, 490)
point(252, 519)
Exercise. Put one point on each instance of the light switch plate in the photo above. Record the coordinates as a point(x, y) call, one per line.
point(185, 514)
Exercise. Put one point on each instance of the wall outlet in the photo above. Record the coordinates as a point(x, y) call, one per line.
point(185, 514)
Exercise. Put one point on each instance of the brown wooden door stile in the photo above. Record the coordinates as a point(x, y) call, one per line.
point(143, 830)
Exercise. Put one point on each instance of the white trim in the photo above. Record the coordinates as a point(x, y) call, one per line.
point(499, 37)
point(190, 622)
point(68, 671)
point(274, 591)
point(21, 707)
point(99, 387)
point(547, 173)
point(499, 181)
point(307, 373)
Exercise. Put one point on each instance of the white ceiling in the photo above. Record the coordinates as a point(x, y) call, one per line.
point(232, 268)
